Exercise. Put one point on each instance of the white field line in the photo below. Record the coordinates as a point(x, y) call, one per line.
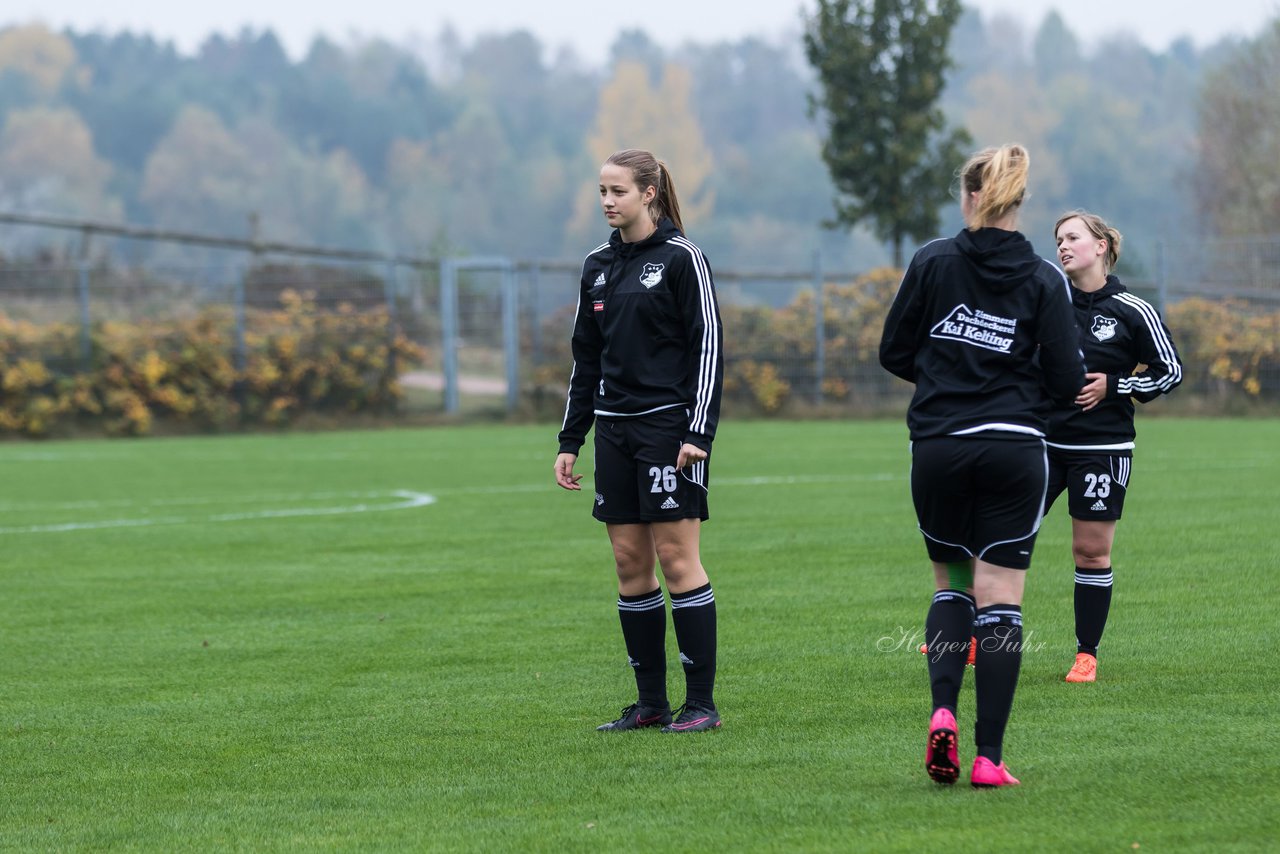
point(255, 498)
point(8, 456)
point(408, 500)
point(764, 480)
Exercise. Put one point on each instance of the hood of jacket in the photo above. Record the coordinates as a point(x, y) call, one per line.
point(1002, 259)
point(1086, 300)
point(665, 231)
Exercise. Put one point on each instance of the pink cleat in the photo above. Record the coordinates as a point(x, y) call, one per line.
point(941, 759)
point(988, 775)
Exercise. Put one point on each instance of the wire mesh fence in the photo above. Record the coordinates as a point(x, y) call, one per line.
point(491, 335)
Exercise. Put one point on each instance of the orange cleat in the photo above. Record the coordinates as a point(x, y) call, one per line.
point(973, 651)
point(1084, 670)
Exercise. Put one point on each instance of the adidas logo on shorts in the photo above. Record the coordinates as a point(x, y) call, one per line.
point(1098, 505)
point(669, 504)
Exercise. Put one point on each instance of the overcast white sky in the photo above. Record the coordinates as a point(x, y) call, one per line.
point(589, 26)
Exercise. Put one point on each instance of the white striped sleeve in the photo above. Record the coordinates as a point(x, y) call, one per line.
point(706, 392)
point(1164, 371)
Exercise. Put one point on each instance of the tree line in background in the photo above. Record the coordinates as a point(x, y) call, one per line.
point(491, 147)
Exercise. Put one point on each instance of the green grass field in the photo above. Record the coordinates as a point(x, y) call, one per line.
point(278, 643)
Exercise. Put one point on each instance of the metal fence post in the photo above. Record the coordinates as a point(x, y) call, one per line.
point(511, 333)
point(389, 294)
point(241, 348)
point(819, 318)
point(86, 338)
point(534, 307)
point(1162, 286)
point(449, 332)
point(242, 287)
point(82, 289)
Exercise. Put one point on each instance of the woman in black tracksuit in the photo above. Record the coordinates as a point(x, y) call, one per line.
point(648, 370)
point(1091, 438)
point(983, 327)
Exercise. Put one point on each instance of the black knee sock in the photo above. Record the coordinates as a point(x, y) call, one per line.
point(998, 630)
point(694, 616)
point(644, 629)
point(947, 628)
point(1093, 602)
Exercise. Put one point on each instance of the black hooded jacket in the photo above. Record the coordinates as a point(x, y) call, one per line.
point(984, 328)
point(646, 337)
point(1118, 332)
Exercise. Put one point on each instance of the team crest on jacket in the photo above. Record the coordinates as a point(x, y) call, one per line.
point(651, 274)
point(1104, 327)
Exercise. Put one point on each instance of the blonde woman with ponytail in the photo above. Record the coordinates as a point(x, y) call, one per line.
point(983, 328)
point(648, 370)
point(1091, 438)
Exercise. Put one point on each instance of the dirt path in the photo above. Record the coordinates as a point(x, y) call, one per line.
point(467, 385)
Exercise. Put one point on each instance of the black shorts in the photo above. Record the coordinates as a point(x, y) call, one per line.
point(636, 477)
point(979, 497)
point(1096, 482)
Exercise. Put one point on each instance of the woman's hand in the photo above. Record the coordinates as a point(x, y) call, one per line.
point(1095, 389)
point(689, 454)
point(564, 472)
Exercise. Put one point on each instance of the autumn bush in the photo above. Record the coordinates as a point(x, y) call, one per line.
point(295, 359)
point(298, 358)
point(779, 348)
point(1229, 349)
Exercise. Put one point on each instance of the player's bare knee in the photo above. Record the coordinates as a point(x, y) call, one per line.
point(675, 567)
point(683, 572)
point(1086, 558)
point(632, 564)
point(1092, 553)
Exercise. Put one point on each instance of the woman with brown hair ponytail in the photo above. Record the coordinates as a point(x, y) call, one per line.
point(648, 370)
point(651, 172)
